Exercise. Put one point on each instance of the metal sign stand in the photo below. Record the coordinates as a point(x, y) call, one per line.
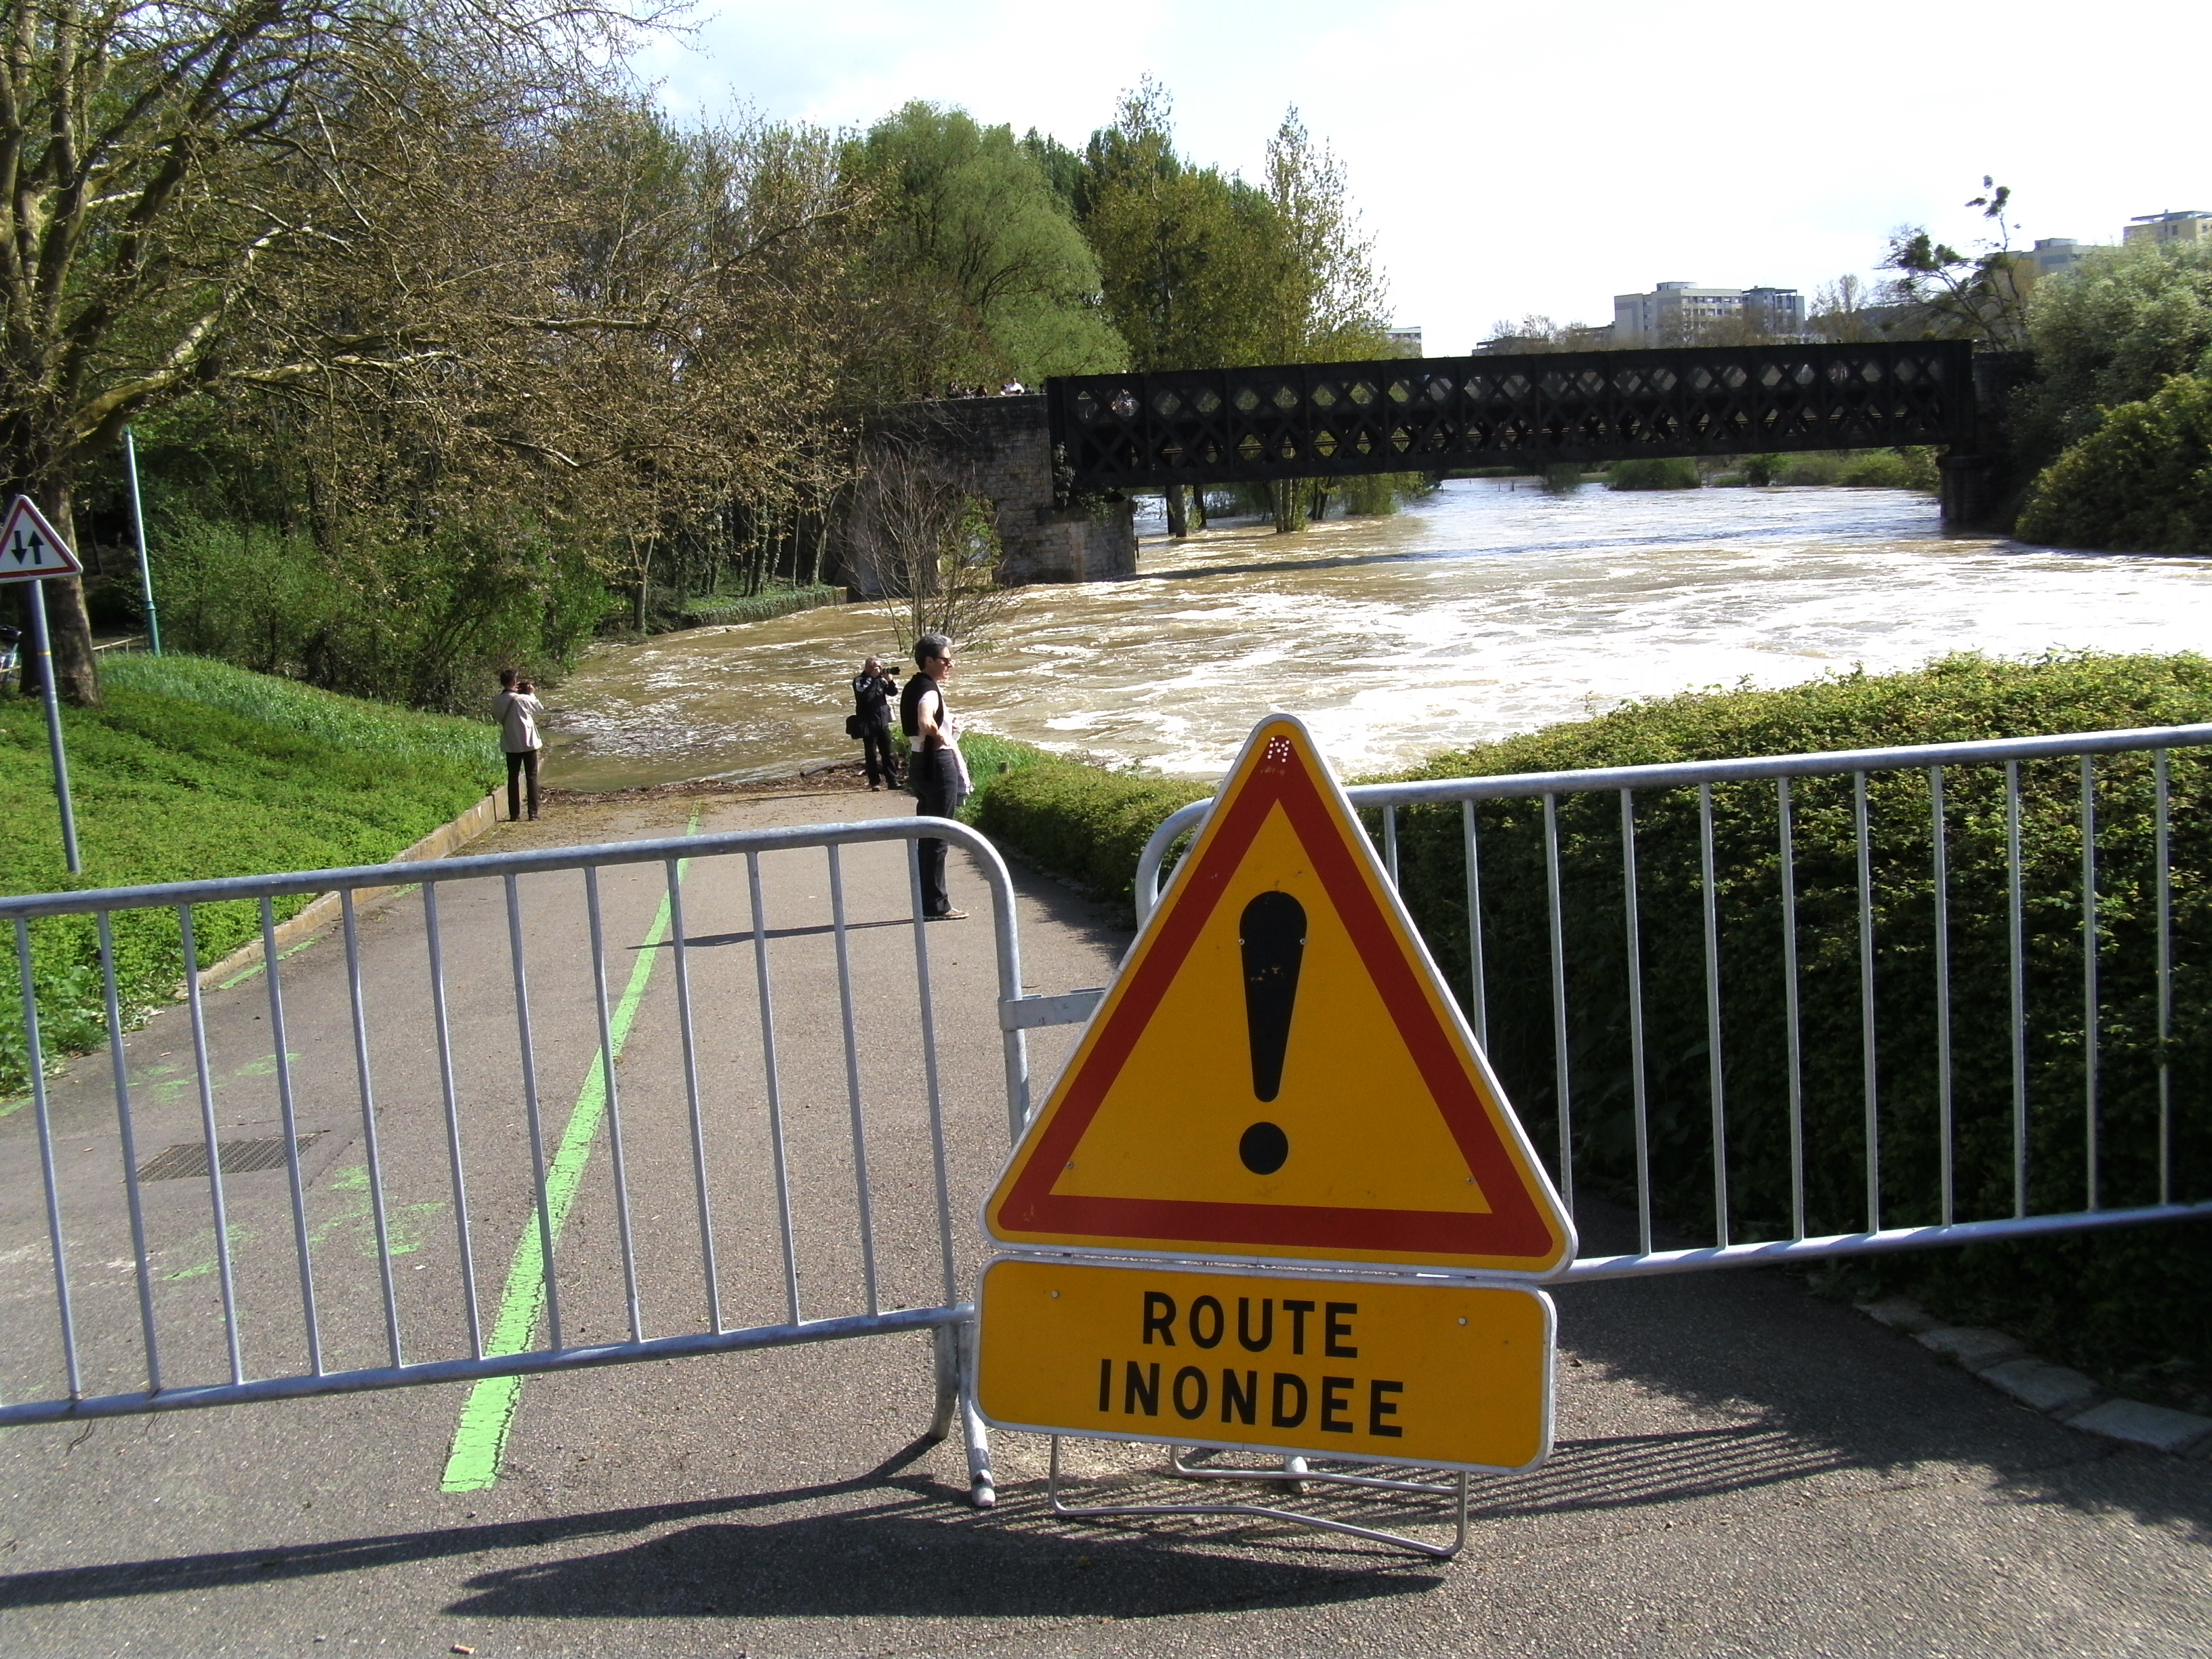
point(45, 659)
point(39, 552)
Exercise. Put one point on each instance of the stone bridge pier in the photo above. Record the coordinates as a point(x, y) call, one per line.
point(1000, 448)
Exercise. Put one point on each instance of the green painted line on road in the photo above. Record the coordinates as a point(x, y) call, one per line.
point(480, 1435)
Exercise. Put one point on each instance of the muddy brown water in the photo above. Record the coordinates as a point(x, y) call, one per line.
point(1485, 610)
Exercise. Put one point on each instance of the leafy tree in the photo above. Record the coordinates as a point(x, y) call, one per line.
point(2111, 332)
point(983, 274)
point(1982, 296)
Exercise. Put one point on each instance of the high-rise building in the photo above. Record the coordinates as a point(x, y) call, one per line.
point(1676, 313)
point(2189, 226)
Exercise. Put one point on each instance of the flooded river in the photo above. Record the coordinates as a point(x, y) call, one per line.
point(1485, 610)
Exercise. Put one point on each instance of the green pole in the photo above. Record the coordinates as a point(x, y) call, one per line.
point(145, 570)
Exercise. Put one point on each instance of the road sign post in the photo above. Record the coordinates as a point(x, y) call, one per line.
point(1278, 1106)
point(145, 564)
point(30, 551)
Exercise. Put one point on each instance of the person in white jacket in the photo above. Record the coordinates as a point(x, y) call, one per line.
point(518, 711)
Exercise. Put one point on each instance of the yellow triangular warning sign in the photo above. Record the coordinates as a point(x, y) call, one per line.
point(1278, 1072)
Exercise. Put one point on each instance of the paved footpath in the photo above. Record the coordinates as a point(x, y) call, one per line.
point(1742, 1467)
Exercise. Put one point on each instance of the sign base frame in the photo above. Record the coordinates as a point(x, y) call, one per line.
point(1296, 1473)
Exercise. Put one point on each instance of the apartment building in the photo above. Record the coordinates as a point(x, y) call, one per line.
point(1675, 313)
point(2169, 227)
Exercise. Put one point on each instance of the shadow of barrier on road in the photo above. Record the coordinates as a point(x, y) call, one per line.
point(922, 1558)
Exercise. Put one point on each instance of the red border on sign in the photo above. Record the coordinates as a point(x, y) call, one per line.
point(1515, 1227)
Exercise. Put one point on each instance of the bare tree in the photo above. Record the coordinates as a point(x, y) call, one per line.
point(923, 535)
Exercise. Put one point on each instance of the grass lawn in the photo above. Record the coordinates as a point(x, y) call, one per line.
point(194, 769)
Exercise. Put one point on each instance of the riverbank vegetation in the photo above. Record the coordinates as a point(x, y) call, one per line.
point(194, 769)
point(2106, 1301)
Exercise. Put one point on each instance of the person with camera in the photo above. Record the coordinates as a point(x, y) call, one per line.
point(517, 712)
point(874, 688)
point(934, 768)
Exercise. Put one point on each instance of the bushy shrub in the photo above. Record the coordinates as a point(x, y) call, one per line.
point(425, 621)
point(2139, 484)
point(1888, 468)
point(1669, 473)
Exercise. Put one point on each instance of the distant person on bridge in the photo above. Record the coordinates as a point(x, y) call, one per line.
point(939, 775)
point(517, 712)
point(873, 690)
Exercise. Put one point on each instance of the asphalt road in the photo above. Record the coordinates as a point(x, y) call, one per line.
point(1742, 1466)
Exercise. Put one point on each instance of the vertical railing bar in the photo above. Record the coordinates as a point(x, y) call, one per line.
point(1635, 1022)
point(691, 1095)
point(2165, 883)
point(1559, 1000)
point(1946, 1173)
point(1390, 843)
point(614, 1105)
point(1479, 1005)
point(442, 1023)
point(545, 1262)
point(929, 1073)
point(208, 1130)
point(1867, 1048)
point(1713, 1015)
point(288, 1106)
point(2089, 1021)
point(867, 1213)
point(130, 1139)
point(369, 1145)
point(2015, 927)
point(35, 1053)
point(774, 1085)
point(1791, 1014)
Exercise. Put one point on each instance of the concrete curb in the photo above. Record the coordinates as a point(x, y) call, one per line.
point(446, 839)
point(2055, 1391)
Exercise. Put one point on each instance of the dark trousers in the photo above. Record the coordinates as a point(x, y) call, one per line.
point(875, 748)
point(517, 766)
point(931, 776)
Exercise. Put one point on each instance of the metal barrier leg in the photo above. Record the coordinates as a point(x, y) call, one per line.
point(982, 1491)
point(946, 1341)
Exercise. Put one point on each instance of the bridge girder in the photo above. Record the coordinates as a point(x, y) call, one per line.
point(1120, 432)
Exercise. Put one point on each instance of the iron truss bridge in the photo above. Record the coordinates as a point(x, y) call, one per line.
point(1437, 414)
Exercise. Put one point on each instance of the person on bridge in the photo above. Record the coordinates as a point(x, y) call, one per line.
point(873, 690)
point(935, 768)
point(517, 712)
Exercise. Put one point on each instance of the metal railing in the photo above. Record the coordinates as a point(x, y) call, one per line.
point(396, 1019)
point(1793, 1240)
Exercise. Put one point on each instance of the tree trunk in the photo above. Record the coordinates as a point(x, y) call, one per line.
point(1197, 519)
point(1287, 497)
point(1178, 520)
point(76, 680)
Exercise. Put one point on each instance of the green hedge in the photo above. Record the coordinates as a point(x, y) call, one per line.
point(1083, 822)
point(195, 769)
point(2099, 1301)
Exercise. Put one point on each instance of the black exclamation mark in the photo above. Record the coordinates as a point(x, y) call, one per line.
point(1274, 934)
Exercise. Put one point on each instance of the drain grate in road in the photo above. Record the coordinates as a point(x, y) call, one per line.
point(239, 1158)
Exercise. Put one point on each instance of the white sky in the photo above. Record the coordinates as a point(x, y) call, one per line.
point(1542, 157)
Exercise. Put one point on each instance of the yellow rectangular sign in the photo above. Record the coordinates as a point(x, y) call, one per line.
point(1449, 1374)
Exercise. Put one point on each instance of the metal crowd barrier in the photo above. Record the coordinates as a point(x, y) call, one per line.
point(707, 1111)
point(1933, 760)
